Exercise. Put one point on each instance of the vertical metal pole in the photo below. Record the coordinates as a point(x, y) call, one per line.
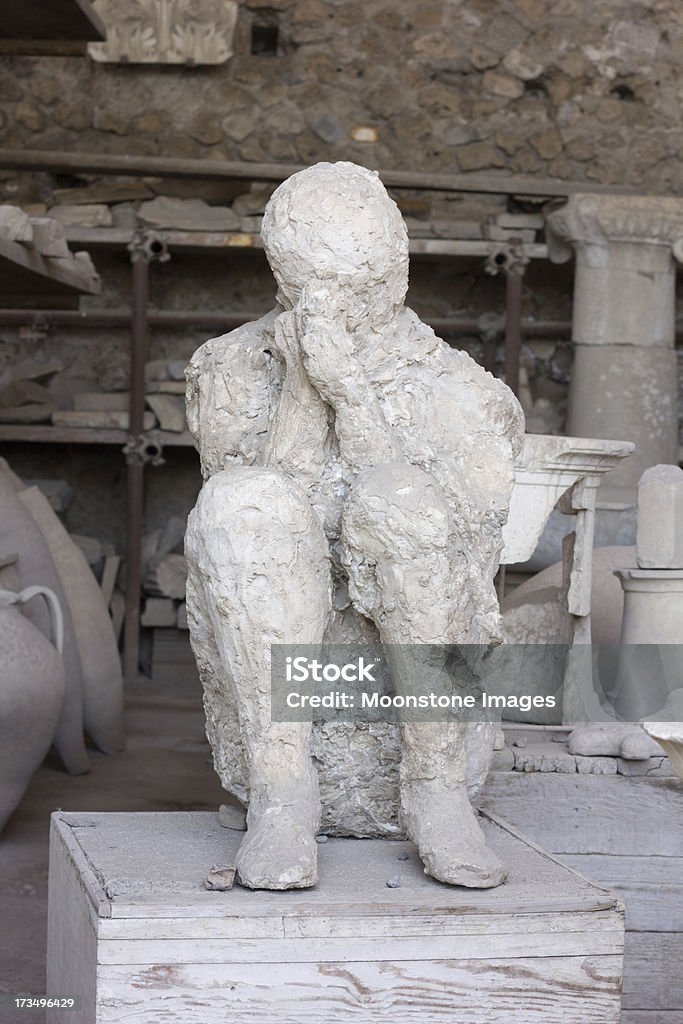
point(490, 346)
point(136, 468)
point(514, 274)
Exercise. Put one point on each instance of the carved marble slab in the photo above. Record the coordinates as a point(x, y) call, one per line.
point(166, 31)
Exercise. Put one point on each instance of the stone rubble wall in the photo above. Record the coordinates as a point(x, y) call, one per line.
point(548, 87)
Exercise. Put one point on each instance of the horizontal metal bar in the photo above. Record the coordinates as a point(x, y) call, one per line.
point(59, 161)
point(227, 321)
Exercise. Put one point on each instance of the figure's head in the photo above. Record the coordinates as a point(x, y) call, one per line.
point(336, 222)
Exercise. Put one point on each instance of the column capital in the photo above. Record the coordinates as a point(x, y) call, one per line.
point(597, 219)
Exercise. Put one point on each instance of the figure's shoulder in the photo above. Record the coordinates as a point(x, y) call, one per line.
point(245, 345)
point(486, 399)
point(231, 381)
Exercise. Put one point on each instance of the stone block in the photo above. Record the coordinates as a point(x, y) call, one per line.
point(33, 369)
point(162, 370)
point(496, 233)
point(170, 537)
point(159, 611)
point(22, 392)
point(98, 419)
point(187, 215)
point(165, 387)
point(106, 401)
point(169, 410)
point(167, 577)
point(85, 215)
point(48, 237)
point(57, 492)
point(470, 230)
point(15, 224)
point(103, 192)
point(502, 85)
point(251, 203)
point(659, 535)
point(32, 413)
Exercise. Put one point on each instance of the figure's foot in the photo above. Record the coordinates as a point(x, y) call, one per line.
point(279, 850)
point(449, 839)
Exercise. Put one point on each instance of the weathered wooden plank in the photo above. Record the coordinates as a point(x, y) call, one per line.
point(72, 940)
point(206, 907)
point(652, 1017)
point(276, 926)
point(154, 864)
point(650, 887)
point(109, 573)
point(654, 979)
point(566, 990)
point(386, 947)
point(592, 813)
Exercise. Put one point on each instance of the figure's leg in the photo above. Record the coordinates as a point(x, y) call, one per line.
point(396, 549)
point(258, 555)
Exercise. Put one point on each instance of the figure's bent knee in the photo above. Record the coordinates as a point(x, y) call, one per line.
point(394, 507)
point(249, 509)
point(255, 487)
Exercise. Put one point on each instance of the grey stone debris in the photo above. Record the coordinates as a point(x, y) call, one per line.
point(159, 612)
point(169, 410)
point(93, 215)
point(232, 817)
point(107, 401)
point(220, 878)
point(166, 576)
point(15, 224)
point(99, 419)
point(187, 215)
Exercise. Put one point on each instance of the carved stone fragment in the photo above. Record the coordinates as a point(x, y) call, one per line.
point(166, 31)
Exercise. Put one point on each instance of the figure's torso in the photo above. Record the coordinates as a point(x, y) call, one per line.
point(448, 415)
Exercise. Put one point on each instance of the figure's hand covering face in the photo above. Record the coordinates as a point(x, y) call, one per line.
point(335, 223)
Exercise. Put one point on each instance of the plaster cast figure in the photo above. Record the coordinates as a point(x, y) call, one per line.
point(354, 465)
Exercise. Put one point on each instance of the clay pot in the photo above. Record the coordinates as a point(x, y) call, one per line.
point(34, 566)
point(97, 648)
point(32, 692)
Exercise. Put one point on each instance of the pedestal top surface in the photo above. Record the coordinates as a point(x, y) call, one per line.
point(150, 864)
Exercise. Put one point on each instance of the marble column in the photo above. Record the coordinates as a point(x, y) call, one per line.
point(624, 375)
point(650, 664)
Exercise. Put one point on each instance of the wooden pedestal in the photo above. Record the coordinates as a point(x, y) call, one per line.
point(136, 938)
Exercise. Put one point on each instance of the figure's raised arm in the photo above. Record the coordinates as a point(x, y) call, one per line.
point(365, 438)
